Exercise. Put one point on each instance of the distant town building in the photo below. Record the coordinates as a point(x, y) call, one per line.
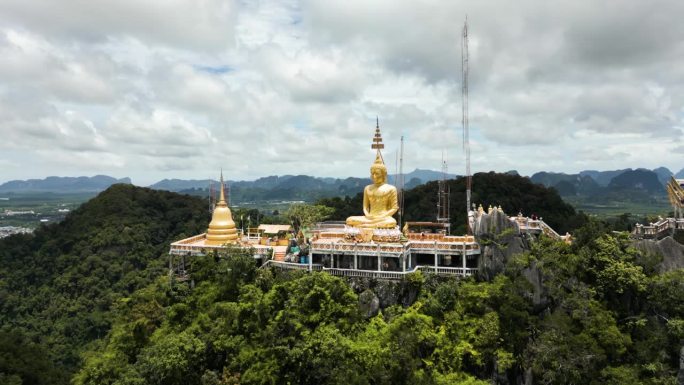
point(6, 231)
point(11, 213)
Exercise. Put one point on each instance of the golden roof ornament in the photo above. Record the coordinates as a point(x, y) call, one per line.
point(377, 139)
point(377, 144)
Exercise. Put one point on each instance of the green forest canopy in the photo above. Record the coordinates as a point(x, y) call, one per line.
point(90, 296)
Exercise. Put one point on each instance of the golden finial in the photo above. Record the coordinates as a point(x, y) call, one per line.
point(377, 143)
point(378, 160)
point(377, 139)
point(222, 196)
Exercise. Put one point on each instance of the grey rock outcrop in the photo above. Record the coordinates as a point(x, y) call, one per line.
point(500, 239)
point(539, 294)
point(671, 251)
point(495, 222)
point(388, 293)
point(369, 304)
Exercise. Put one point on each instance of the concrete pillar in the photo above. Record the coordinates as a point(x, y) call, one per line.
point(464, 258)
point(356, 257)
point(403, 260)
point(379, 259)
point(436, 257)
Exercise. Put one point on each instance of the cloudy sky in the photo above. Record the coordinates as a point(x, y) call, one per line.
point(180, 88)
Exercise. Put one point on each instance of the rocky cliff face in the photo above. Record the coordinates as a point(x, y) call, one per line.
point(500, 240)
point(375, 294)
point(671, 251)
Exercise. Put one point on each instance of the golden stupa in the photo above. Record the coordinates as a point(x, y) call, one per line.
point(222, 228)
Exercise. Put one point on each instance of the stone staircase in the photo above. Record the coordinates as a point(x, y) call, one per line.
point(279, 256)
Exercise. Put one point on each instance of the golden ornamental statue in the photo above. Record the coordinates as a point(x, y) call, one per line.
point(380, 198)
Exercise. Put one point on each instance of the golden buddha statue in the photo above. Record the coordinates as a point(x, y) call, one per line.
point(379, 198)
point(222, 228)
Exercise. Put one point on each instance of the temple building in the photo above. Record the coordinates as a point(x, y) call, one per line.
point(665, 226)
point(675, 192)
point(367, 245)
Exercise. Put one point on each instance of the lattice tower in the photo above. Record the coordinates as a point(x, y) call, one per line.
point(464, 107)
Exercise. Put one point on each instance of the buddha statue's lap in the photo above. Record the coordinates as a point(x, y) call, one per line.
point(363, 221)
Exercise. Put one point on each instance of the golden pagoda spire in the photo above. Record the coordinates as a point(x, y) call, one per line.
point(377, 142)
point(222, 228)
point(222, 196)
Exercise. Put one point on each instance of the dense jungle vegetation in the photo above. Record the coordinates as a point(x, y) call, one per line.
point(58, 285)
point(88, 301)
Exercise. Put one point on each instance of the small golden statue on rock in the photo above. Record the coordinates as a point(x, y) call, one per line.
point(380, 198)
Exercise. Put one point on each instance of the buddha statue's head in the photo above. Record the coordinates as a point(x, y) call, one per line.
point(378, 171)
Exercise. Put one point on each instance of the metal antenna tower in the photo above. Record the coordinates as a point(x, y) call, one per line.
point(464, 107)
point(400, 182)
point(443, 199)
point(396, 169)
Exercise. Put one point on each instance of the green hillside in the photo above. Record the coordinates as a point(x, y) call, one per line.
point(58, 286)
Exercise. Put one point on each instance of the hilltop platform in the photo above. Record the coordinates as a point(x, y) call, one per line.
point(196, 245)
point(333, 252)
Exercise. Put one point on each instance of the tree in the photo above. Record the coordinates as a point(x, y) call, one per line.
point(303, 215)
point(173, 359)
point(343, 207)
point(23, 362)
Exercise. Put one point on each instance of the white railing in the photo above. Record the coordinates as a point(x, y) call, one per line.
point(441, 270)
point(366, 273)
point(535, 226)
point(445, 270)
point(456, 248)
point(657, 229)
point(548, 230)
point(192, 239)
point(394, 250)
point(291, 265)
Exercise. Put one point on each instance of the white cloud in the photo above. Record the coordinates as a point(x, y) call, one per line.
point(181, 88)
point(187, 24)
